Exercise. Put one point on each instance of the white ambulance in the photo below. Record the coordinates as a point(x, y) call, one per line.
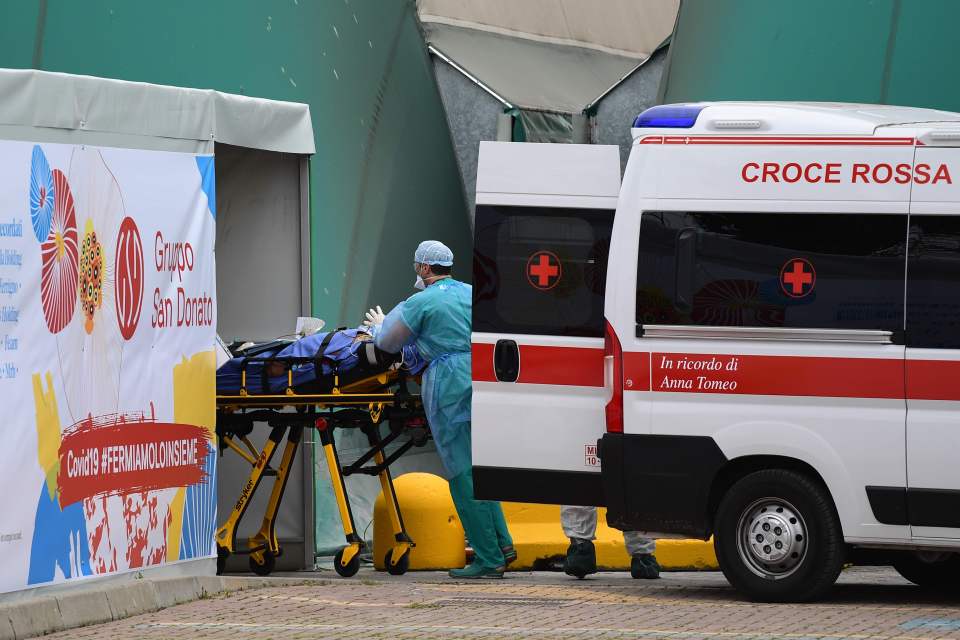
point(764, 337)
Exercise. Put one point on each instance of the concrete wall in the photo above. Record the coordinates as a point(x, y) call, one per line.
point(882, 51)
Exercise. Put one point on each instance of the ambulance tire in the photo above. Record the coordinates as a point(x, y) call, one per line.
point(778, 538)
point(930, 570)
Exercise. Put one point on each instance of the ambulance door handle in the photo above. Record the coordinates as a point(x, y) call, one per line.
point(506, 361)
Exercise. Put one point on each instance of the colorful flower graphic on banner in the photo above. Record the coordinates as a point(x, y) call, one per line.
point(91, 277)
point(91, 348)
point(41, 194)
point(59, 256)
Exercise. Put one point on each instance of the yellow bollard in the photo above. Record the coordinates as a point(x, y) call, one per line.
point(430, 520)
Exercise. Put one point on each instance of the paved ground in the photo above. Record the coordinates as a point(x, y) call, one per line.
point(868, 603)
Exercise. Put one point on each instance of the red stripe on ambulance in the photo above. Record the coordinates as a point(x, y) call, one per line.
point(569, 366)
point(636, 371)
point(824, 377)
point(778, 375)
point(866, 141)
point(933, 379)
point(481, 362)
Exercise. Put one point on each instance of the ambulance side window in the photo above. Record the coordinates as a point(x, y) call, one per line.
point(933, 282)
point(540, 270)
point(816, 271)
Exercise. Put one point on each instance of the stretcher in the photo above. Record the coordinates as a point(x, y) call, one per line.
point(367, 397)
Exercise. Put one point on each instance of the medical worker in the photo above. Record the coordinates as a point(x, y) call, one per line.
point(438, 321)
point(580, 526)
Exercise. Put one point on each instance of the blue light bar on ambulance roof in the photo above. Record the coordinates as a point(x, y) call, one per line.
point(669, 116)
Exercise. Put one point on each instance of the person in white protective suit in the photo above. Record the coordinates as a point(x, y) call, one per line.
point(580, 526)
point(438, 321)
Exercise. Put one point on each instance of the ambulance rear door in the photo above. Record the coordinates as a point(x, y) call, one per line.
point(933, 338)
point(542, 233)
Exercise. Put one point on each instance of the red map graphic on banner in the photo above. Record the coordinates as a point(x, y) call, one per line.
point(126, 453)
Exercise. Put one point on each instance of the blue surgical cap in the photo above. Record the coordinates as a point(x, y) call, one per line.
point(433, 252)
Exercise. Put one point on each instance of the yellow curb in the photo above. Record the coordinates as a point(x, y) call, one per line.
point(538, 538)
point(432, 522)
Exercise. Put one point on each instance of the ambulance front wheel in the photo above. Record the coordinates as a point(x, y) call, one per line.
point(346, 570)
point(778, 537)
point(400, 567)
point(930, 569)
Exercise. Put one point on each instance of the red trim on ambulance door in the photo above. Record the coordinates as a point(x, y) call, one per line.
point(933, 379)
point(636, 370)
point(573, 366)
point(823, 377)
point(868, 141)
point(481, 362)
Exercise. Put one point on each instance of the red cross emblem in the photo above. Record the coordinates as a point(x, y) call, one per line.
point(544, 270)
point(797, 277)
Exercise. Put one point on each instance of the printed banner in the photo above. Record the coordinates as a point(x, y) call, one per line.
point(107, 368)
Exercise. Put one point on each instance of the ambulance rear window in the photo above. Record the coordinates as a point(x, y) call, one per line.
point(540, 270)
point(933, 282)
point(796, 270)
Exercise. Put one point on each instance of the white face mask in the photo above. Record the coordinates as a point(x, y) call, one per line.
point(418, 284)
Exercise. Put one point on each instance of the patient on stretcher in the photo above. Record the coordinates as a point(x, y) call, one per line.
point(348, 353)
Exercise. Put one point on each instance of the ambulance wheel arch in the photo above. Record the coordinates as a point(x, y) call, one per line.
point(749, 448)
point(739, 468)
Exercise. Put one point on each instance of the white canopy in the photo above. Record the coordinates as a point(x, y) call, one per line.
point(57, 107)
point(554, 55)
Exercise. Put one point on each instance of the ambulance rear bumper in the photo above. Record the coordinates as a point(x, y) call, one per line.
point(659, 482)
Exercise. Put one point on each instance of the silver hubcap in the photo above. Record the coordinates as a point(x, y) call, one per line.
point(772, 538)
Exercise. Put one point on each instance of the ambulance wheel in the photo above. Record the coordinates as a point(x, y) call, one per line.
point(930, 569)
point(222, 555)
point(351, 567)
point(401, 567)
point(778, 537)
point(265, 569)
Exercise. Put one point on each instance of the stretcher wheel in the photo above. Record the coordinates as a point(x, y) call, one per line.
point(265, 569)
point(222, 555)
point(352, 567)
point(401, 567)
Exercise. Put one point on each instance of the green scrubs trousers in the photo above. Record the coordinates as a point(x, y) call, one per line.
point(482, 520)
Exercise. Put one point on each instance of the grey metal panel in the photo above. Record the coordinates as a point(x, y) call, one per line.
point(258, 243)
point(306, 447)
point(262, 221)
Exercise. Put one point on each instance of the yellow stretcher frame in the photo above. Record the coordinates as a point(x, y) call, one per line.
point(367, 404)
